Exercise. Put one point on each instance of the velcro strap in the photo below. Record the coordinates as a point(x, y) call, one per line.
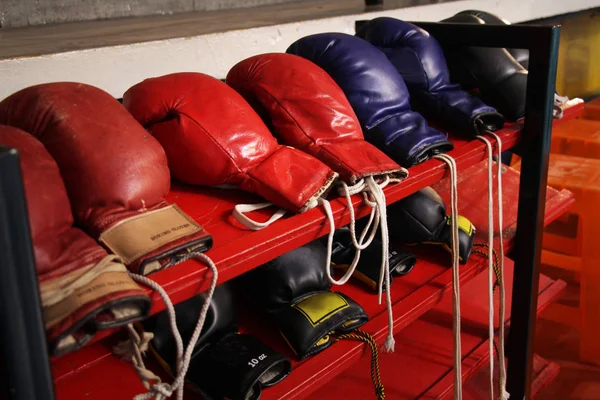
point(465, 225)
point(319, 308)
point(133, 237)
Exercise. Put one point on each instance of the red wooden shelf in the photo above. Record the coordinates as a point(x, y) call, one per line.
point(472, 199)
point(237, 250)
point(544, 372)
point(413, 295)
point(421, 367)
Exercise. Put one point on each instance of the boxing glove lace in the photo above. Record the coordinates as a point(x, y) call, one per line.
point(224, 363)
point(368, 270)
point(306, 109)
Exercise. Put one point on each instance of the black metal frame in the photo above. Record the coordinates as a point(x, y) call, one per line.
point(534, 149)
point(24, 360)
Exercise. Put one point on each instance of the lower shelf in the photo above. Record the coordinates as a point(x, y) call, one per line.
point(413, 295)
point(421, 367)
point(472, 192)
point(544, 372)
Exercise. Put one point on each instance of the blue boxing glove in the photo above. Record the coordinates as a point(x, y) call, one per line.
point(420, 60)
point(377, 94)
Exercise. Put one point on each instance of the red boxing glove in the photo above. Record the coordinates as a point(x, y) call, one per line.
point(213, 137)
point(82, 287)
point(306, 109)
point(116, 174)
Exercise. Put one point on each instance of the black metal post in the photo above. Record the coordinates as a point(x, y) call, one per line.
point(23, 351)
point(534, 151)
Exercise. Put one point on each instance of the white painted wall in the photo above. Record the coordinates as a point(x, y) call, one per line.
point(116, 68)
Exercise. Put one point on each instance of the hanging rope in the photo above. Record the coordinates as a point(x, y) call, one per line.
point(137, 345)
point(365, 337)
point(457, 351)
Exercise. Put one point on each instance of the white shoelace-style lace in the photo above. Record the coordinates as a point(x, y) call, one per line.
point(240, 209)
point(457, 351)
point(504, 395)
point(133, 349)
point(561, 103)
point(490, 262)
point(375, 198)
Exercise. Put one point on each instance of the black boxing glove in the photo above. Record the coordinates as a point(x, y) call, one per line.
point(521, 55)
point(421, 218)
point(294, 289)
point(368, 267)
point(501, 80)
point(225, 363)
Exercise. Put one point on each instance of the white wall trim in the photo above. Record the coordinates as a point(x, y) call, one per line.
point(116, 68)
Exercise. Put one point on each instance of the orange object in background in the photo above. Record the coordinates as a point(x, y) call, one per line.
point(578, 137)
point(571, 242)
point(591, 110)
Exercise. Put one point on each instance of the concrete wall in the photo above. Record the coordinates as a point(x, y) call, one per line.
point(15, 13)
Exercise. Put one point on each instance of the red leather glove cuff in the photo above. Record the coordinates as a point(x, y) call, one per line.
point(290, 179)
point(357, 159)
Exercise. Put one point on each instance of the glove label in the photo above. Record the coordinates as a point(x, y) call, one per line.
point(133, 237)
point(255, 361)
point(320, 307)
point(82, 299)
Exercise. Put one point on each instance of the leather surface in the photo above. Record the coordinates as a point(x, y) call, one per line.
point(306, 336)
point(377, 94)
point(501, 80)
point(279, 282)
point(59, 247)
point(294, 289)
point(112, 168)
point(421, 218)
point(306, 109)
point(369, 265)
point(213, 137)
point(220, 319)
point(521, 55)
point(220, 366)
point(418, 217)
point(237, 367)
point(420, 61)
